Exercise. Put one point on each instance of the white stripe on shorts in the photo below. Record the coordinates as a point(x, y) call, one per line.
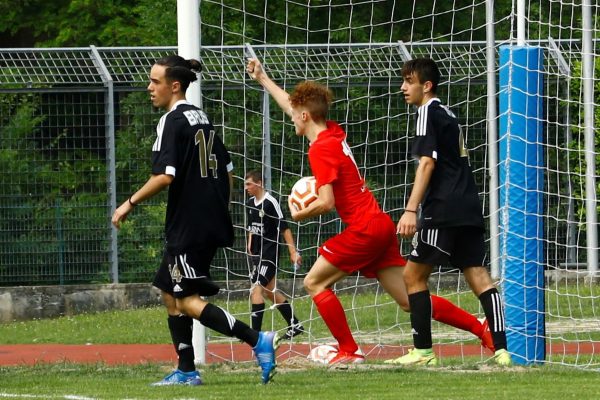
point(188, 271)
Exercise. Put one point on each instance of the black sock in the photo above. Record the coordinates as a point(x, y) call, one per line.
point(420, 319)
point(256, 317)
point(221, 321)
point(285, 309)
point(494, 312)
point(181, 333)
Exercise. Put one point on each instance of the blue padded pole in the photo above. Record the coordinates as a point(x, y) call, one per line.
point(521, 187)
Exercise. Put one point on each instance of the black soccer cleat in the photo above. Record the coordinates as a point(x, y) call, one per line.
point(293, 330)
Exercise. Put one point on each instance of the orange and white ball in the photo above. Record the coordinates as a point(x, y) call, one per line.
point(304, 192)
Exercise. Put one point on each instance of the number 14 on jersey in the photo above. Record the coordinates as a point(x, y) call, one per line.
point(208, 160)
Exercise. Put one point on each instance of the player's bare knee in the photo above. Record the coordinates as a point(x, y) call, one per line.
point(306, 283)
point(182, 308)
point(256, 289)
point(478, 279)
point(404, 305)
point(412, 281)
point(401, 299)
point(191, 306)
point(310, 285)
point(479, 289)
point(256, 293)
point(170, 304)
point(269, 295)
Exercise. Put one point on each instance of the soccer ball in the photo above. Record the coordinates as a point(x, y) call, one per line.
point(322, 354)
point(304, 192)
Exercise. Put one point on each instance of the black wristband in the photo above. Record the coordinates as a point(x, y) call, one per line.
point(410, 211)
point(131, 203)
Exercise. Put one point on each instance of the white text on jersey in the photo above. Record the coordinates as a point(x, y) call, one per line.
point(196, 117)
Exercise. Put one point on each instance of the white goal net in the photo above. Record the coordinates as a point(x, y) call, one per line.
point(357, 48)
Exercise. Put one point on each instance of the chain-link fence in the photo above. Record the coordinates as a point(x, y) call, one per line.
point(77, 131)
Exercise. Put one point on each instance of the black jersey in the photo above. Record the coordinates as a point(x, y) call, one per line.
point(188, 148)
point(265, 223)
point(452, 198)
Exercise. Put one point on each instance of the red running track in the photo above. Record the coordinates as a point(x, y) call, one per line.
point(112, 354)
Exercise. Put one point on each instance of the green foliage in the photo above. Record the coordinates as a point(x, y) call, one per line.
point(339, 22)
point(52, 189)
point(19, 121)
point(84, 22)
point(142, 23)
point(577, 153)
point(32, 19)
point(140, 244)
point(563, 20)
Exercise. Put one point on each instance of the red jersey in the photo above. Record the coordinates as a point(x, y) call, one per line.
point(331, 162)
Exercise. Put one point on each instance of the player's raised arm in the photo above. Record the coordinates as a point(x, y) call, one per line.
point(257, 72)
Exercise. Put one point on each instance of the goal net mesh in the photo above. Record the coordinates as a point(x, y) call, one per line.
point(358, 49)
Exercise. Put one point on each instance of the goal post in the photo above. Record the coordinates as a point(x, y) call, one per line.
point(522, 200)
point(188, 47)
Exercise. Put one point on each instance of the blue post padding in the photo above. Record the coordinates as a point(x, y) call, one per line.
point(521, 189)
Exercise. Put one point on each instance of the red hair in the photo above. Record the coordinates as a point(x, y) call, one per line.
point(314, 97)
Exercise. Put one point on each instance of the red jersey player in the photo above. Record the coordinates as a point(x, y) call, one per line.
point(368, 243)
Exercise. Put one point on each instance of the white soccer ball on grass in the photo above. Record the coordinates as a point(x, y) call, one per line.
point(322, 354)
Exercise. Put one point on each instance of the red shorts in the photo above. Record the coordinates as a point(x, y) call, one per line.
point(366, 248)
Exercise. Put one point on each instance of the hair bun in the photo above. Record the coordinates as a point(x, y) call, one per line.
point(194, 65)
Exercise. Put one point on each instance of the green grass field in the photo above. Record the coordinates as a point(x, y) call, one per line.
point(456, 379)
point(370, 382)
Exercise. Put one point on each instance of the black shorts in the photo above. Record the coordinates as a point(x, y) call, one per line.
point(263, 269)
point(186, 274)
point(461, 246)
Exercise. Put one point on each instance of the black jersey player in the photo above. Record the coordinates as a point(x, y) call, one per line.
point(450, 227)
point(266, 226)
point(189, 159)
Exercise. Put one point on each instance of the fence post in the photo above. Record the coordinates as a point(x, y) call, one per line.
point(109, 123)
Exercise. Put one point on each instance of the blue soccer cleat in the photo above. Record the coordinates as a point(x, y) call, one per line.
point(178, 377)
point(265, 354)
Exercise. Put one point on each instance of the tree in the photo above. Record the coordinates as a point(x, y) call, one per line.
point(577, 154)
point(61, 23)
point(57, 23)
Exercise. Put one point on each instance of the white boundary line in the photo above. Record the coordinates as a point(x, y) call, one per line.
point(39, 396)
point(4, 395)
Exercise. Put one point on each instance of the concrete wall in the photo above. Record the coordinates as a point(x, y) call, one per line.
point(33, 302)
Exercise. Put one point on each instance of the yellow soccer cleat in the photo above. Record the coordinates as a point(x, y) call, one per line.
point(502, 358)
point(415, 357)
